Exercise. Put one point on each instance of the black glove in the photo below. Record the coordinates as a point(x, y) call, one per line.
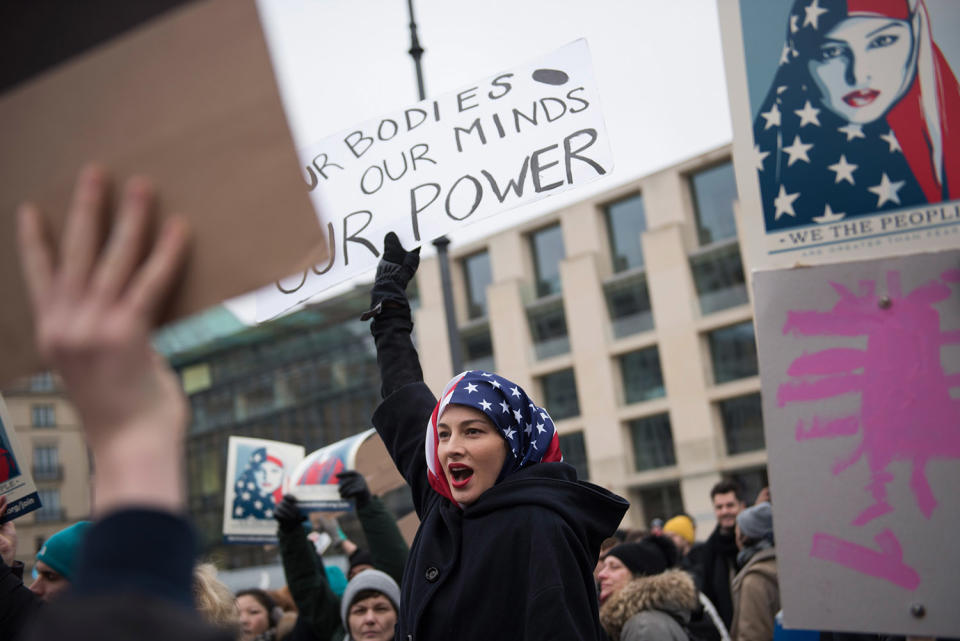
point(288, 514)
point(353, 486)
point(397, 266)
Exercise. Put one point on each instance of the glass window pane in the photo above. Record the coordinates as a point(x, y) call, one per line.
point(742, 424)
point(42, 416)
point(751, 481)
point(560, 394)
point(628, 302)
point(547, 247)
point(661, 501)
point(733, 352)
point(626, 220)
point(548, 329)
point(477, 348)
point(477, 274)
point(575, 453)
point(642, 378)
point(718, 275)
point(714, 192)
point(652, 442)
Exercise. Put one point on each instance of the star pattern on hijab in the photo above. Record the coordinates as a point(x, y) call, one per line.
point(248, 502)
point(527, 428)
point(813, 166)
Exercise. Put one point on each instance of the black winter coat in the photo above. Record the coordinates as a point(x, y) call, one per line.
point(516, 564)
point(714, 564)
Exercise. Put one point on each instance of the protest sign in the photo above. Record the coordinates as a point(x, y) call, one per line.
point(860, 366)
point(258, 473)
point(15, 481)
point(188, 99)
point(426, 170)
point(846, 119)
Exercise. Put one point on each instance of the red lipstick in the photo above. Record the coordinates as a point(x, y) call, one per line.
point(460, 474)
point(861, 97)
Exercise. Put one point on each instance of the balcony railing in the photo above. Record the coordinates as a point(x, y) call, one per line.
point(48, 472)
point(718, 275)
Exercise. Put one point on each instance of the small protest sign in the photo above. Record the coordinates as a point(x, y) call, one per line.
point(15, 481)
point(314, 481)
point(860, 366)
point(846, 127)
point(258, 473)
point(426, 170)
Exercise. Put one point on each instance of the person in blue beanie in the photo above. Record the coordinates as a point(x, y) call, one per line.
point(57, 560)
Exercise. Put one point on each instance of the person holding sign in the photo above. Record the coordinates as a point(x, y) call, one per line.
point(863, 114)
point(508, 536)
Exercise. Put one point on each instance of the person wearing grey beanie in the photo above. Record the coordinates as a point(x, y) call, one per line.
point(369, 607)
point(755, 588)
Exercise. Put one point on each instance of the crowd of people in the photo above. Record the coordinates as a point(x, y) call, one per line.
point(511, 544)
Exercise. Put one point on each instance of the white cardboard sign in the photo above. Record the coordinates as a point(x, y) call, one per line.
point(423, 171)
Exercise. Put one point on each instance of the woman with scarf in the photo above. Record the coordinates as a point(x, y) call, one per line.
point(259, 489)
point(643, 595)
point(863, 115)
point(508, 536)
point(755, 589)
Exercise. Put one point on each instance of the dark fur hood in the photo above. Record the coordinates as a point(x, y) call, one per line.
point(672, 592)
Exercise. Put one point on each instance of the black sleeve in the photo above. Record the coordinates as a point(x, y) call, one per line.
point(396, 356)
point(387, 546)
point(318, 606)
point(18, 605)
point(401, 421)
point(139, 550)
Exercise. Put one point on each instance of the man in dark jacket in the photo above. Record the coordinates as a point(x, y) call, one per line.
point(714, 563)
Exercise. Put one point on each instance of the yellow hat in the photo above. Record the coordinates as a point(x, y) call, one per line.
point(681, 526)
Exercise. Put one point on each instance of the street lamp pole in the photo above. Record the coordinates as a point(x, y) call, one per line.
point(441, 243)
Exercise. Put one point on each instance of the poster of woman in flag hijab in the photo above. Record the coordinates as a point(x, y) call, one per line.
point(855, 114)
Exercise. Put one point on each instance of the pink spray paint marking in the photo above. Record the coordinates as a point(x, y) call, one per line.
point(906, 411)
point(887, 563)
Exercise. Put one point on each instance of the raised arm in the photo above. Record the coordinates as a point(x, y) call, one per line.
point(402, 418)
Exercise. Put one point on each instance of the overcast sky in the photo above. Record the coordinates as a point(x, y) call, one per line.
point(658, 66)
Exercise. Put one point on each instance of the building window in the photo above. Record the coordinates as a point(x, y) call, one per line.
point(477, 348)
point(660, 501)
point(626, 221)
point(733, 351)
point(714, 192)
point(642, 378)
point(42, 382)
point(718, 276)
point(751, 481)
point(43, 416)
point(46, 463)
point(560, 394)
point(547, 248)
point(548, 329)
point(742, 423)
point(575, 453)
point(628, 302)
point(477, 275)
point(50, 509)
point(652, 442)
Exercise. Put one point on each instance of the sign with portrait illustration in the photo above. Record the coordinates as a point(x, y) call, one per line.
point(860, 366)
point(846, 127)
point(258, 472)
point(447, 162)
point(15, 481)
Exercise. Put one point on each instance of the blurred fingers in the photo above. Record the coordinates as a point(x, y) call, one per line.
point(125, 245)
point(36, 255)
point(82, 232)
point(153, 282)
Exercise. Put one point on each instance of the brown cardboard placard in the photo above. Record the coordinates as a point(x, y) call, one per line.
point(190, 100)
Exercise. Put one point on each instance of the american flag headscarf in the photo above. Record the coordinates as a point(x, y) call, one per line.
point(527, 428)
point(249, 501)
point(814, 167)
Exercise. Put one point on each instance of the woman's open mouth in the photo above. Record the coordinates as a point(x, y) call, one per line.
point(460, 474)
point(861, 98)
